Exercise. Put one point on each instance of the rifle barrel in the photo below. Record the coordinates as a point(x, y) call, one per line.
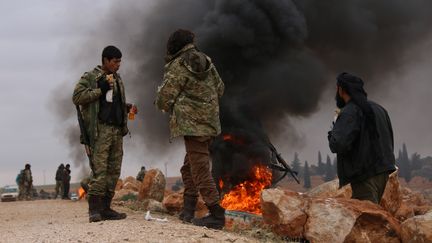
point(284, 163)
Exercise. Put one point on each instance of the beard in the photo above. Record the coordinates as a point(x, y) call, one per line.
point(340, 103)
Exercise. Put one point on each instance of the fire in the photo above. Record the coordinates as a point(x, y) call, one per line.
point(81, 193)
point(246, 195)
point(227, 137)
point(233, 139)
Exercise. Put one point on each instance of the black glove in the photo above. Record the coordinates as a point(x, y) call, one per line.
point(103, 85)
point(329, 135)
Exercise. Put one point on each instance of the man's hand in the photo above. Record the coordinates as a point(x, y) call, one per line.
point(131, 108)
point(104, 85)
point(110, 79)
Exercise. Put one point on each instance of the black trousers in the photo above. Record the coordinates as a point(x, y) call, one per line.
point(66, 186)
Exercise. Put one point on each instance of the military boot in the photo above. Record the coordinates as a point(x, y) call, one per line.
point(215, 220)
point(109, 214)
point(94, 208)
point(189, 206)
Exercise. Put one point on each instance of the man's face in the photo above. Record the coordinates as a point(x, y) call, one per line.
point(340, 103)
point(113, 65)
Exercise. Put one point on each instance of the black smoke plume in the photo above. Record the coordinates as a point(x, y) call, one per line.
point(276, 57)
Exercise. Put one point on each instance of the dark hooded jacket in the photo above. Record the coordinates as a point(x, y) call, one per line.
point(350, 139)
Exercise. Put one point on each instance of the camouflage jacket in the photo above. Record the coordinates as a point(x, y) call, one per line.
point(27, 178)
point(86, 94)
point(190, 92)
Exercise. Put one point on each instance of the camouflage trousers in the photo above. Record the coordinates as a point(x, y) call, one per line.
point(25, 192)
point(59, 188)
point(196, 172)
point(106, 160)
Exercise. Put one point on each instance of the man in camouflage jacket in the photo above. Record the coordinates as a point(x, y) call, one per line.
point(190, 92)
point(26, 184)
point(101, 98)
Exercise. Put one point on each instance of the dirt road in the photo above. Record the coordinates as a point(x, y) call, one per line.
point(67, 221)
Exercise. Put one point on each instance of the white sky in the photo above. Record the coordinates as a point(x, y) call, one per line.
point(37, 43)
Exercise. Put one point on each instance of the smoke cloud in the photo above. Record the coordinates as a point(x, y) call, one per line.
point(276, 57)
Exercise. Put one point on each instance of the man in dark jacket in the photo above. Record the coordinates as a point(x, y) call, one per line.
point(362, 137)
point(66, 182)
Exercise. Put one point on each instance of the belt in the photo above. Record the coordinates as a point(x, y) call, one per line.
point(109, 124)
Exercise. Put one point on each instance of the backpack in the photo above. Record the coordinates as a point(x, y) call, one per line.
point(20, 177)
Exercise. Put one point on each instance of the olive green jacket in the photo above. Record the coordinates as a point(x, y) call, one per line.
point(190, 92)
point(86, 95)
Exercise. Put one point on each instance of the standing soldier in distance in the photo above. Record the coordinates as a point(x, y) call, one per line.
point(25, 183)
point(141, 174)
point(101, 98)
point(59, 180)
point(66, 182)
point(190, 92)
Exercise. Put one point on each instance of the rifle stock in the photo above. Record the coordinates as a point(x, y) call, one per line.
point(84, 136)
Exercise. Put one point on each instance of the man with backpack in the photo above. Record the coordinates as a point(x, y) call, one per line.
point(25, 183)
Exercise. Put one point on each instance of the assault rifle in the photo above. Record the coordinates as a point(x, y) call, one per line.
point(280, 164)
point(84, 136)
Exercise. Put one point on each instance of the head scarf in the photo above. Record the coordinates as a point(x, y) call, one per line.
point(354, 87)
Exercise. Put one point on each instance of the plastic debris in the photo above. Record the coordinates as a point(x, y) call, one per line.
point(148, 217)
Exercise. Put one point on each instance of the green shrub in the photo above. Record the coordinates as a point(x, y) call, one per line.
point(129, 197)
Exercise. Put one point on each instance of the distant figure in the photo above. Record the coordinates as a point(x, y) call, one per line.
point(66, 181)
point(25, 183)
point(59, 181)
point(141, 174)
point(362, 137)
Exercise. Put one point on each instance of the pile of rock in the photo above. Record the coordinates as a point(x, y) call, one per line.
point(130, 186)
point(401, 202)
point(327, 214)
point(150, 192)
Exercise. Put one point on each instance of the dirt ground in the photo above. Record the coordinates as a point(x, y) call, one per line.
point(67, 221)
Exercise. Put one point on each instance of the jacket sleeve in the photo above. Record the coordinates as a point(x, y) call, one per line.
point(345, 131)
point(220, 84)
point(173, 82)
point(84, 94)
point(390, 130)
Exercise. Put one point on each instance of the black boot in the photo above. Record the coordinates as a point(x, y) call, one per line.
point(189, 206)
point(109, 214)
point(94, 208)
point(215, 220)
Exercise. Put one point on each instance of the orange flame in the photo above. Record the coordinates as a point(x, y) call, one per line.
point(221, 184)
point(81, 193)
point(232, 139)
point(246, 195)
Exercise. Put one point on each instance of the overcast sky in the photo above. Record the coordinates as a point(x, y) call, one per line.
point(38, 43)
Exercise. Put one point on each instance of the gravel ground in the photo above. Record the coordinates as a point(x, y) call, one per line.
point(67, 221)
